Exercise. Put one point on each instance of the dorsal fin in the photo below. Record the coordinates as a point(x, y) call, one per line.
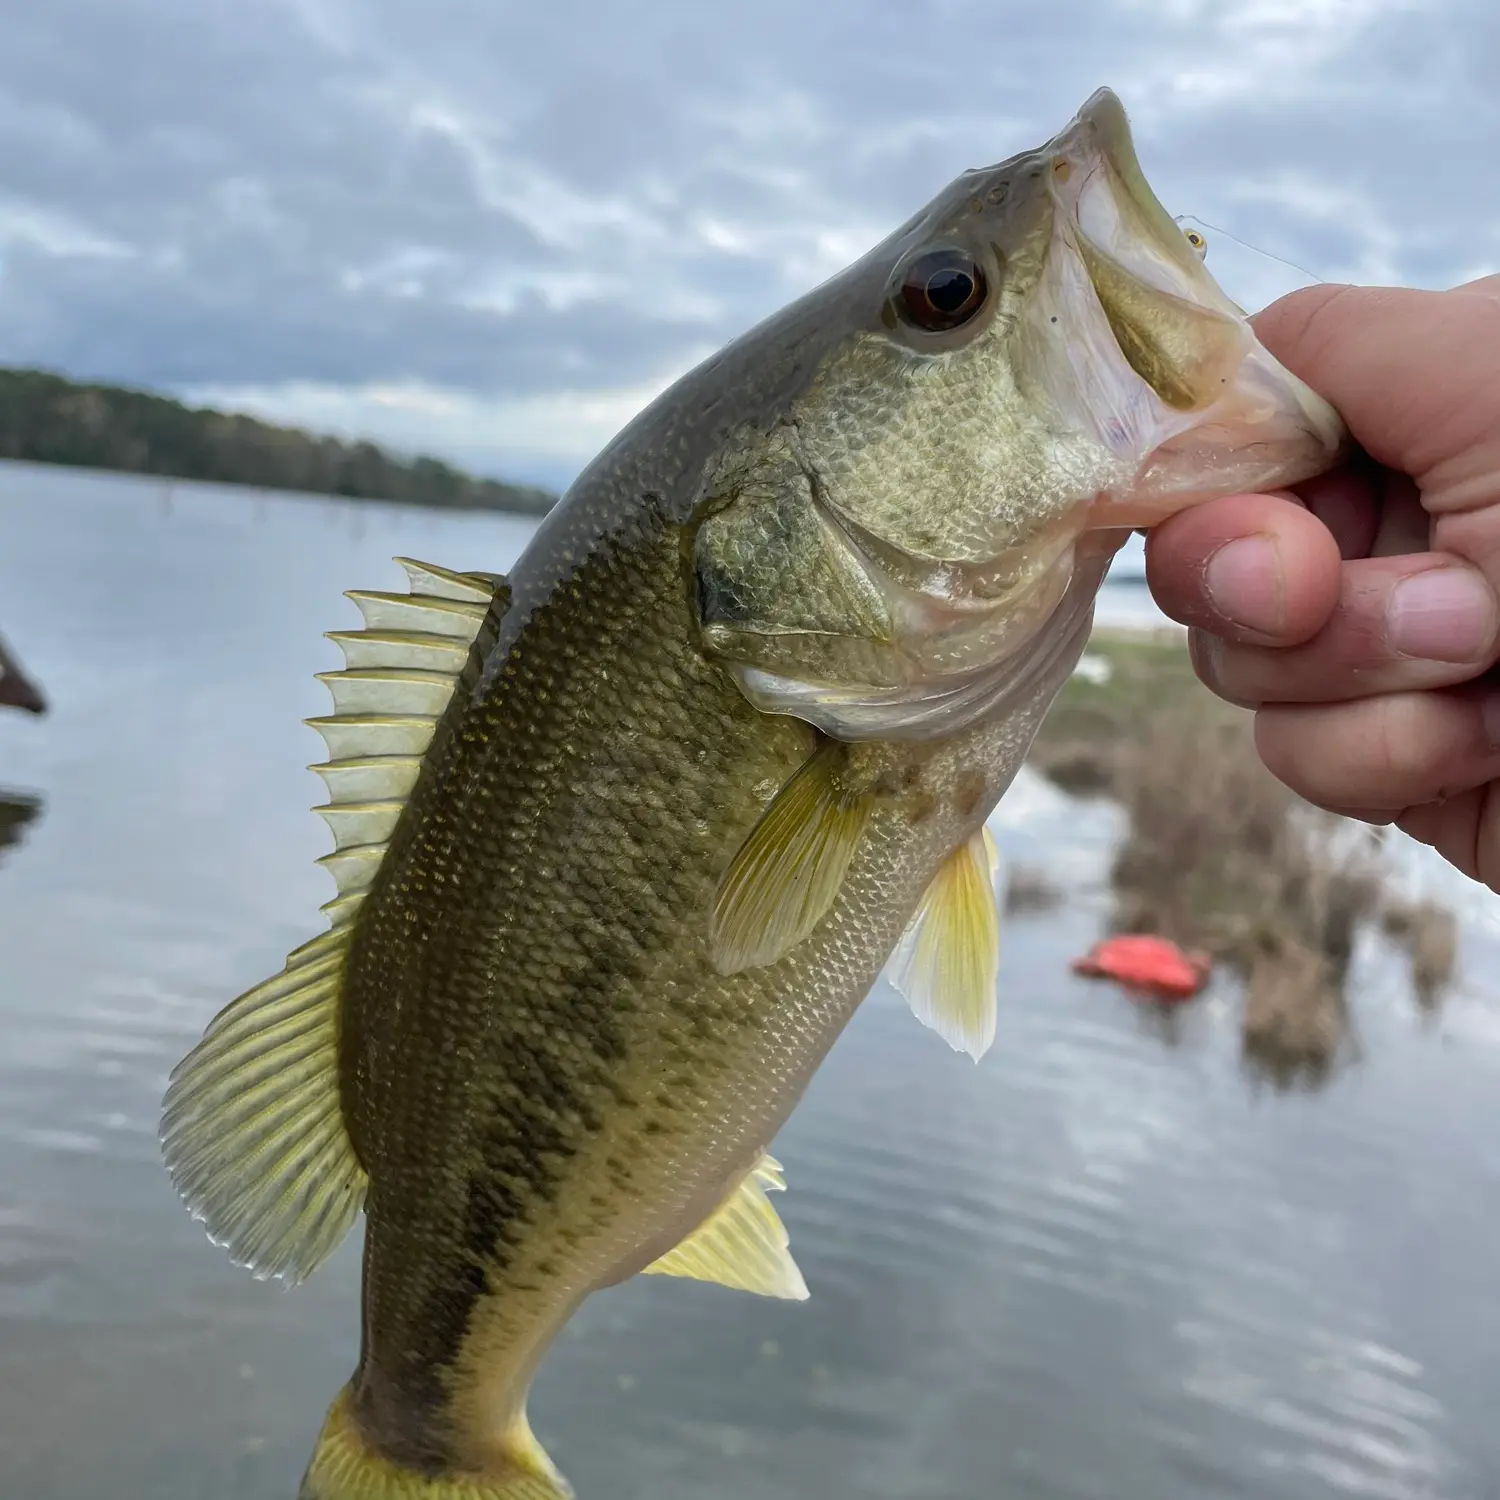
point(399, 673)
point(252, 1130)
point(742, 1243)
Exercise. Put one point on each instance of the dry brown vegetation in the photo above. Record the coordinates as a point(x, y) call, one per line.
point(1029, 889)
point(1220, 856)
point(1429, 934)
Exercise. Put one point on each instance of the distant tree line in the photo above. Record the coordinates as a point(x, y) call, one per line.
point(47, 419)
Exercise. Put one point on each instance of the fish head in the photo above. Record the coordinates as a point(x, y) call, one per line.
point(1035, 364)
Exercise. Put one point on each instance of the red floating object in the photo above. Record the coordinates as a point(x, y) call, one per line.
point(1151, 966)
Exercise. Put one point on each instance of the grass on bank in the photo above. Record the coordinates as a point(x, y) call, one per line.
point(1220, 856)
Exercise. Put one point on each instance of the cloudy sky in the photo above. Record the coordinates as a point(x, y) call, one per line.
point(492, 231)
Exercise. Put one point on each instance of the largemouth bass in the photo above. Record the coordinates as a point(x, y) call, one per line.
point(624, 839)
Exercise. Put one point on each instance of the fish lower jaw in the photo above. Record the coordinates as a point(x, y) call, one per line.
point(1224, 455)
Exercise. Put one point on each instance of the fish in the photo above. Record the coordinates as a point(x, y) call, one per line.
point(624, 838)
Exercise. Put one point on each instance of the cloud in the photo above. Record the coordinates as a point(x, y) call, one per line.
point(534, 215)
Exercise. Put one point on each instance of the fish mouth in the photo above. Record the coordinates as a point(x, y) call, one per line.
point(1159, 363)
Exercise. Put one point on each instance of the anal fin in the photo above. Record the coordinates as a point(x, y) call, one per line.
point(742, 1244)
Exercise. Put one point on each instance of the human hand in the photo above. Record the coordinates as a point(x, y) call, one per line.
point(1358, 616)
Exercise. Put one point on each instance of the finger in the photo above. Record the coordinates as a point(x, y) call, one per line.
point(1412, 373)
point(1401, 624)
point(1257, 568)
point(1375, 817)
point(1395, 751)
point(1347, 501)
point(1488, 285)
point(1404, 525)
point(1464, 829)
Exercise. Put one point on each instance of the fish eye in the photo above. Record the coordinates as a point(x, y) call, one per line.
point(941, 290)
point(1197, 241)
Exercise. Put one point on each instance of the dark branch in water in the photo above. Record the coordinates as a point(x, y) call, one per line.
point(47, 419)
point(17, 690)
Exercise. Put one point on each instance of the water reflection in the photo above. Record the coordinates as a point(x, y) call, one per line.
point(1217, 856)
point(18, 811)
point(1092, 1266)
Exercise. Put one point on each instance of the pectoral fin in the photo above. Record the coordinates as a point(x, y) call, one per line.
point(789, 871)
point(742, 1244)
point(948, 960)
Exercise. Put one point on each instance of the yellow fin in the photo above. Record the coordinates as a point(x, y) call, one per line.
point(350, 736)
point(251, 1129)
point(360, 823)
point(346, 1467)
point(419, 612)
point(947, 963)
point(399, 674)
point(788, 872)
point(439, 583)
point(418, 649)
point(354, 868)
point(369, 778)
point(389, 690)
point(742, 1243)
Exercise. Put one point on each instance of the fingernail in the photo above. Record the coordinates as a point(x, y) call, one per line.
point(1243, 579)
point(1206, 652)
point(1445, 614)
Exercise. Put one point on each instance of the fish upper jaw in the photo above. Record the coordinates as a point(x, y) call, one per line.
point(1162, 369)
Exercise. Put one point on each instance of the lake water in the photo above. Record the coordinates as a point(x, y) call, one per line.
point(1104, 1263)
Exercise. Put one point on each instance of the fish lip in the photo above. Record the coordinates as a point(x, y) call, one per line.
point(1111, 182)
point(1105, 214)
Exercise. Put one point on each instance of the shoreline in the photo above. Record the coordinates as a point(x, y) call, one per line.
point(521, 508)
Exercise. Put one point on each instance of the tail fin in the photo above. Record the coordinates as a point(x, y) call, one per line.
point(345, 1467)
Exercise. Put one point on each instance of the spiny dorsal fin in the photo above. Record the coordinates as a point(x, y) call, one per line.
point(252, 1130)
point(788, 872)
point(742, 1244)
point(947, 963)
point(399, 673)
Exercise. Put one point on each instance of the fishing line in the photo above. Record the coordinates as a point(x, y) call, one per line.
point(1254, 249)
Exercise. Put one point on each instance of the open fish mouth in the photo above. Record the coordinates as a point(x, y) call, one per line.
point(1160, 364)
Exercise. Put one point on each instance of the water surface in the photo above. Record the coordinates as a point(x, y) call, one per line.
point(1104, 1263)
